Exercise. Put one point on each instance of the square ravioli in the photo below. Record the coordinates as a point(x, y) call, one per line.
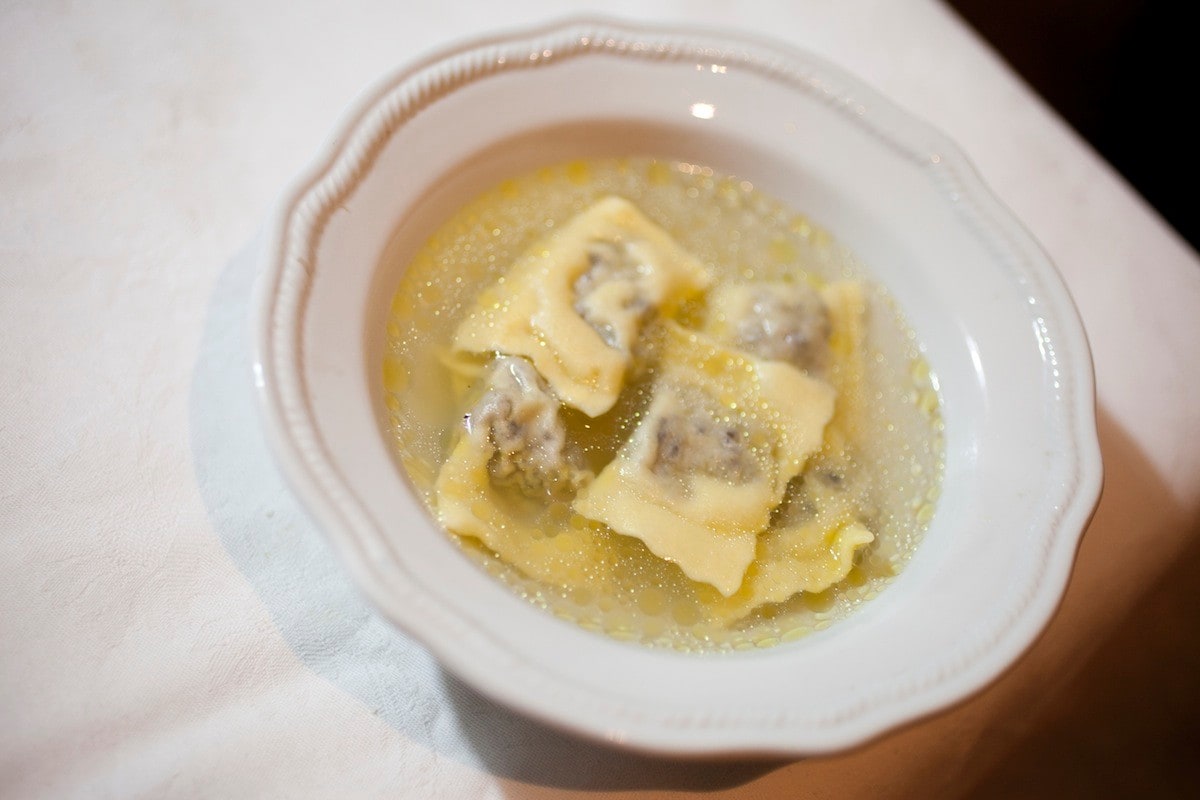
point(711, 458)
point(575, 302)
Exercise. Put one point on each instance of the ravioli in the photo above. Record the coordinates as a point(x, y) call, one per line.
point(777, 320)
point(808, 550)
point(810, 557)
point(575, 302)
point(512, 464)
point(757, 423)
point(814, 548)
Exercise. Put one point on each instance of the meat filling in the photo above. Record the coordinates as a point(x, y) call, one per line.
point(519, 416)
point(609, 294)
point(694, 440)
point(785, 323)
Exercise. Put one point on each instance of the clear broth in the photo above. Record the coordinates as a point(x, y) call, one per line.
point(740, 234)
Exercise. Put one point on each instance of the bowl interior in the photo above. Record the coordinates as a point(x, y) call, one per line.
point(985, 305)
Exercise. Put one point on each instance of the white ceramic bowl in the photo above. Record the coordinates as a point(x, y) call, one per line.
point(1022, 461)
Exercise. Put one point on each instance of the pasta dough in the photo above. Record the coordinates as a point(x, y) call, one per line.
point(777, 321)
point(575, 302)
point(743, 427)
point(511, 461)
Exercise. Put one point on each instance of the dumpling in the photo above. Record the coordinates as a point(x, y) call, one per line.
point(575, 303)
point(776, 321)
point(712, 456)
point(810, 547)
point(813, 543)
point(511, 463)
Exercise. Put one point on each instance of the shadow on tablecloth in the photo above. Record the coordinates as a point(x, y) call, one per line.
point(1126, 722)
point(329, 625)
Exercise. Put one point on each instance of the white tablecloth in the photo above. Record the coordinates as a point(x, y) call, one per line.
point(172, 625)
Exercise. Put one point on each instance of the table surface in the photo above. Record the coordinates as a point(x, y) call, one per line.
point(173, 625)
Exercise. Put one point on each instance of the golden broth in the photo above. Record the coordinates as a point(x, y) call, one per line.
point(604, 581)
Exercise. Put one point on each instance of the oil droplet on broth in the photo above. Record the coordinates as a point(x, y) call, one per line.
point(735, 230)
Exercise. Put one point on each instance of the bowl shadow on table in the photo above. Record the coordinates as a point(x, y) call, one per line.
point(330, 628)
point(529, 750)
point(321, 616)
point(1124, 719)
point(1118, 716)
